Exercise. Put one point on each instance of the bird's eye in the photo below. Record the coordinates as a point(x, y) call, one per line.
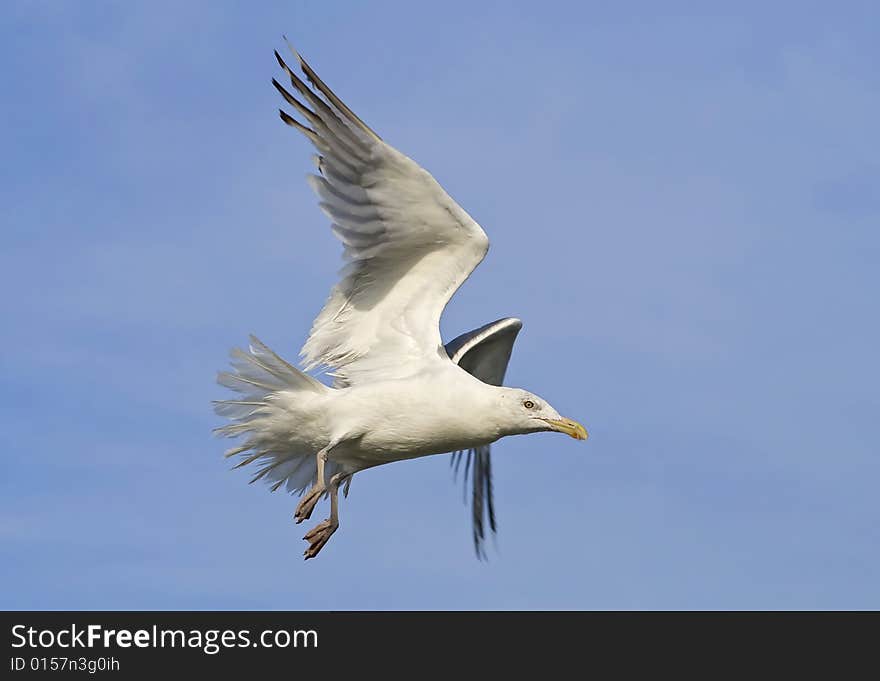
point(528, 404)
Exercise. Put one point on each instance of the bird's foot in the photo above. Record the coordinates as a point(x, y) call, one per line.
point(307, 504)
point(318, 536)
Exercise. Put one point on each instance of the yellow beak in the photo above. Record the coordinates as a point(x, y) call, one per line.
point(569, 427)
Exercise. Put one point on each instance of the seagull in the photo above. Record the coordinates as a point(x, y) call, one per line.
point(397, 391)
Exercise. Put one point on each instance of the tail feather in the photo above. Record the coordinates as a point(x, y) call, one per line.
point(249, 459)
point(236, 450)
point(259, 375)
point(237, 409)
point(266, 359)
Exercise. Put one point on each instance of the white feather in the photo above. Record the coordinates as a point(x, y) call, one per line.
point(408, 244)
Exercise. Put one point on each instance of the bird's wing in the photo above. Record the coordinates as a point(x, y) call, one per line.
point(484, 353)
point(407, 243)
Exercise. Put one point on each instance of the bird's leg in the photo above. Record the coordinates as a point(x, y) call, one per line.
point(310, 498)
point(321, 533)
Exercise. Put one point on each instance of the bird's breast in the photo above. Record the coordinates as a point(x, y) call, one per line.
point(410, 421)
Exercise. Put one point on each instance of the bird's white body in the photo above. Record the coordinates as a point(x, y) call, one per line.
point(442, 409)
point(398, 392)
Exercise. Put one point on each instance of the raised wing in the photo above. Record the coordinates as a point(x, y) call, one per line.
point(484, 353)
point(409, 246)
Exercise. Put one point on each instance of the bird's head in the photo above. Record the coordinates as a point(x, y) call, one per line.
point(524, 412)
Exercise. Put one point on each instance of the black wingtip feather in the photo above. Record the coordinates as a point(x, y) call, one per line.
point(292, 122)
point(289, 98)
point(490, 504)
point(322, 87)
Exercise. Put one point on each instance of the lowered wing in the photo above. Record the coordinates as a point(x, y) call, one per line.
point(484, 353)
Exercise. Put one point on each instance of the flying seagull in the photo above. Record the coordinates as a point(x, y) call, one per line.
point(398, 393)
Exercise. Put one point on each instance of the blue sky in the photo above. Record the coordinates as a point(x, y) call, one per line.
point(683, 210)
